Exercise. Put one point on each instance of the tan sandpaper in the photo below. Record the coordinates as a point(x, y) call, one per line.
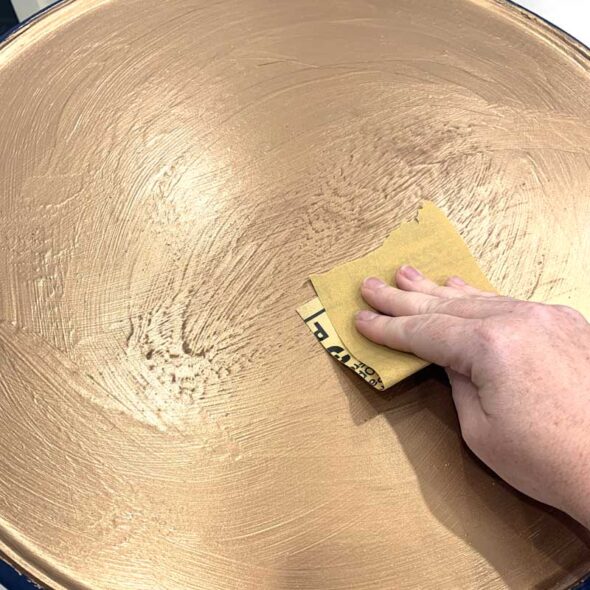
point(429, 243)
point(317, 320)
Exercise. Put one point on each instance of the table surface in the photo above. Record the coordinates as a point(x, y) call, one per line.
point(573, 16)
point(346, 384)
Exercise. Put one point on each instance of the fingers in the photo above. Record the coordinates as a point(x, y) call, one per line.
point(410, 279)
point(459, 284)
point(396, 302)
point(438, 338)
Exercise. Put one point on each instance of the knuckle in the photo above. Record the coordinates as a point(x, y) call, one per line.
point(385, 295)
point(569, 311)
point(540, 312)
point(386, 328)
point(492, 335)
point(412, 325)
point(441, 291)
point(427, 306)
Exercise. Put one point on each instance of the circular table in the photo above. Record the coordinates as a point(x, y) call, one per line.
point(170, 175)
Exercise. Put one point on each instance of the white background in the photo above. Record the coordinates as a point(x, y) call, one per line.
point(573, 16)
point(25, 8)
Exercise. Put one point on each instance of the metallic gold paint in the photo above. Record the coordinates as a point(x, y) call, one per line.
point(170, 174)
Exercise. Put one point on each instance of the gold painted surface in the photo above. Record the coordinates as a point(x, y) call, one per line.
point(428, 242)
point(170, 174)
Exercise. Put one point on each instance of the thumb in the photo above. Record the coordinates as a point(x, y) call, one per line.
point(471, 415)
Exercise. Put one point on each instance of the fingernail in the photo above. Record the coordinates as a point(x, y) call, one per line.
point(373, 283)
point(457, 281)
point(410, 273)
point(366, 315)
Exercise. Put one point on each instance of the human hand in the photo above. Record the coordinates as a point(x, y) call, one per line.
point(519, 371)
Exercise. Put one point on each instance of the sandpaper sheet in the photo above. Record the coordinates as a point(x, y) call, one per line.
point(430, 243)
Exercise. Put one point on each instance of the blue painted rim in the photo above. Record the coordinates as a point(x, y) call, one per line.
point(31, 18)
point(11, 579)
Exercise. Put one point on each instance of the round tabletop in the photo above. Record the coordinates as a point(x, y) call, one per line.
point(171, 173)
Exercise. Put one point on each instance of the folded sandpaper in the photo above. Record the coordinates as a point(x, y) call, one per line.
point(430, 243)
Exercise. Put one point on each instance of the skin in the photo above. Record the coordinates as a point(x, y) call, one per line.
point(519, 372)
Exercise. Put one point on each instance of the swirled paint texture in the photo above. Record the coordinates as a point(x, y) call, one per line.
point(170, 174)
